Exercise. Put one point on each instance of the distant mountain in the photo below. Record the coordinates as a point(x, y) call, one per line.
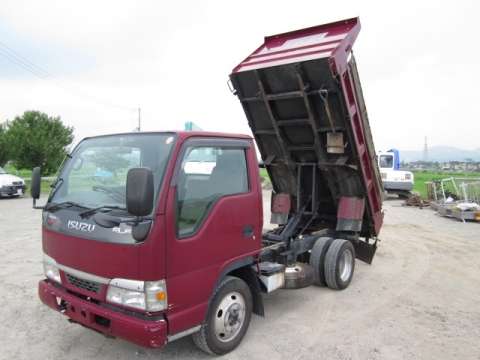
point(441, 154)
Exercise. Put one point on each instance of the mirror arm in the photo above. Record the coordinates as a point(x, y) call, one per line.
point(35, 205)
point(138, 219)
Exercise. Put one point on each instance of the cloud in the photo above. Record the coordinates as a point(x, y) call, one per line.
point(416, 62)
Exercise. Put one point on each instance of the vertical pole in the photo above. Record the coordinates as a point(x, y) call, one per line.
point(463, 185)
point(443, 190)
point(139, 121)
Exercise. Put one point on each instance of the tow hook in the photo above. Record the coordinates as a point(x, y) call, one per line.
point(62, 305)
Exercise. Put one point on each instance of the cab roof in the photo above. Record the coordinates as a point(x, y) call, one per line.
point(181, 134)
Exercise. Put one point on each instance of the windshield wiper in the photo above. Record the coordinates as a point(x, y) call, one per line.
point(55, 186)
point(90, 212)
point(63, 205)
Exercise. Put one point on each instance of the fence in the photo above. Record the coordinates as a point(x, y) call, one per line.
point(463, 189)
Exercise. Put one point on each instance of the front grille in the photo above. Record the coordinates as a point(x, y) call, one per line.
point(83, 284)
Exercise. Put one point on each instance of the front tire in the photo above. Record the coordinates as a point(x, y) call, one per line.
point(339, 264)
point(227, 319)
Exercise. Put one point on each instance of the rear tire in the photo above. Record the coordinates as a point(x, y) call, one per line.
point(317, 259)
point(227, 319)
point(339, 264)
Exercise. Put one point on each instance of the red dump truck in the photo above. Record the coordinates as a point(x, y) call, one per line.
point(154, 236)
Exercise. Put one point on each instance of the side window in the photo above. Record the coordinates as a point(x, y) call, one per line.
point(206, 174)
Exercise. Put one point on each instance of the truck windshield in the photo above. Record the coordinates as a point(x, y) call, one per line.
point(2, 171)
point(97, 171)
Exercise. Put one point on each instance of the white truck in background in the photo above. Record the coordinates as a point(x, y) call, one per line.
point(395, 181)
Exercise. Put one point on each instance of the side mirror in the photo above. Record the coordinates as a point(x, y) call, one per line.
point(35, 185)
point(140, 192)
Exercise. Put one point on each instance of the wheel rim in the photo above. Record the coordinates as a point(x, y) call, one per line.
point(345, 267)
point(230, 316)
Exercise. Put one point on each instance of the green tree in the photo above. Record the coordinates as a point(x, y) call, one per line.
point(111, 160)
point(36, 139)
point(4, 148)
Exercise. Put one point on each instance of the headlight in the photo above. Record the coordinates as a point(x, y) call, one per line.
point(148, 295)
point(135, 299)
point(408, 176)
point(50, 269)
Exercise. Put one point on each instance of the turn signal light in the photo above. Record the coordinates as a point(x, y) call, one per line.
point(160, 296)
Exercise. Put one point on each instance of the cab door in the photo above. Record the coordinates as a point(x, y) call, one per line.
point(214, 216)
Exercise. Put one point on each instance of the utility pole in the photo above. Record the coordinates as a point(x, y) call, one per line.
point(139, 120)
point(425, 150)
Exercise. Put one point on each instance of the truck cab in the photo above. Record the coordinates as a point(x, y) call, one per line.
point(394, 180)
point(149, 277)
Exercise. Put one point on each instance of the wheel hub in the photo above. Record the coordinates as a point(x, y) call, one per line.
point(230, 316)
point(346, 265)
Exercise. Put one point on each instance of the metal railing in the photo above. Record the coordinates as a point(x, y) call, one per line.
point(460, 189)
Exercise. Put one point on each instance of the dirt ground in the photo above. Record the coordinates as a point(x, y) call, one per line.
point(420, 299)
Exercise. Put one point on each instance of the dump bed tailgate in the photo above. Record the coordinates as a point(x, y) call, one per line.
point(302, 97)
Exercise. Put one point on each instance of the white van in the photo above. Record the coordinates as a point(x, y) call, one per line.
point(11, 185)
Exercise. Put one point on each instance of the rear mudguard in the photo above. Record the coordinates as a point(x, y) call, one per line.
point(365, 251)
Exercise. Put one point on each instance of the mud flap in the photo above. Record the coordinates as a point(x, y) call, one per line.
point(364, 251)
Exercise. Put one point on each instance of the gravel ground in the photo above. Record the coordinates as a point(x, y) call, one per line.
point(420, 299)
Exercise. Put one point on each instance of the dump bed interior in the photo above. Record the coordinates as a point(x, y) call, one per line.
point(301, 94)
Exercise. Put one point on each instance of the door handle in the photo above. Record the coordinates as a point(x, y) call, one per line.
point(247, 231)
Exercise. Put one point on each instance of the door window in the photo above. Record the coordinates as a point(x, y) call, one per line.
point(206, 174)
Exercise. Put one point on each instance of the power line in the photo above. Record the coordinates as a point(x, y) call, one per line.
point(21, 64)
point(43, 74)
point(23, 60)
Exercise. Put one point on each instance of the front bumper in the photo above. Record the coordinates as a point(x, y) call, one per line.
point(147, 333)
point(9, 190)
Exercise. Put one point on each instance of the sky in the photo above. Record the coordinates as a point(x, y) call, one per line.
point(98, 61)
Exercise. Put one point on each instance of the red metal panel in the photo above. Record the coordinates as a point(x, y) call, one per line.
point(316, 42)
point(372, 189)
point(281, 203)
point(351, 208)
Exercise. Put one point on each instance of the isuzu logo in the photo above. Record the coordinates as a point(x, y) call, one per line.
point(80, 226)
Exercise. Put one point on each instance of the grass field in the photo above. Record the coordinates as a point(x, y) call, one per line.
point(421, 177)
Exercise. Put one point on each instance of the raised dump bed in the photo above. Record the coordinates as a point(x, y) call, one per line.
point(302, 96)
